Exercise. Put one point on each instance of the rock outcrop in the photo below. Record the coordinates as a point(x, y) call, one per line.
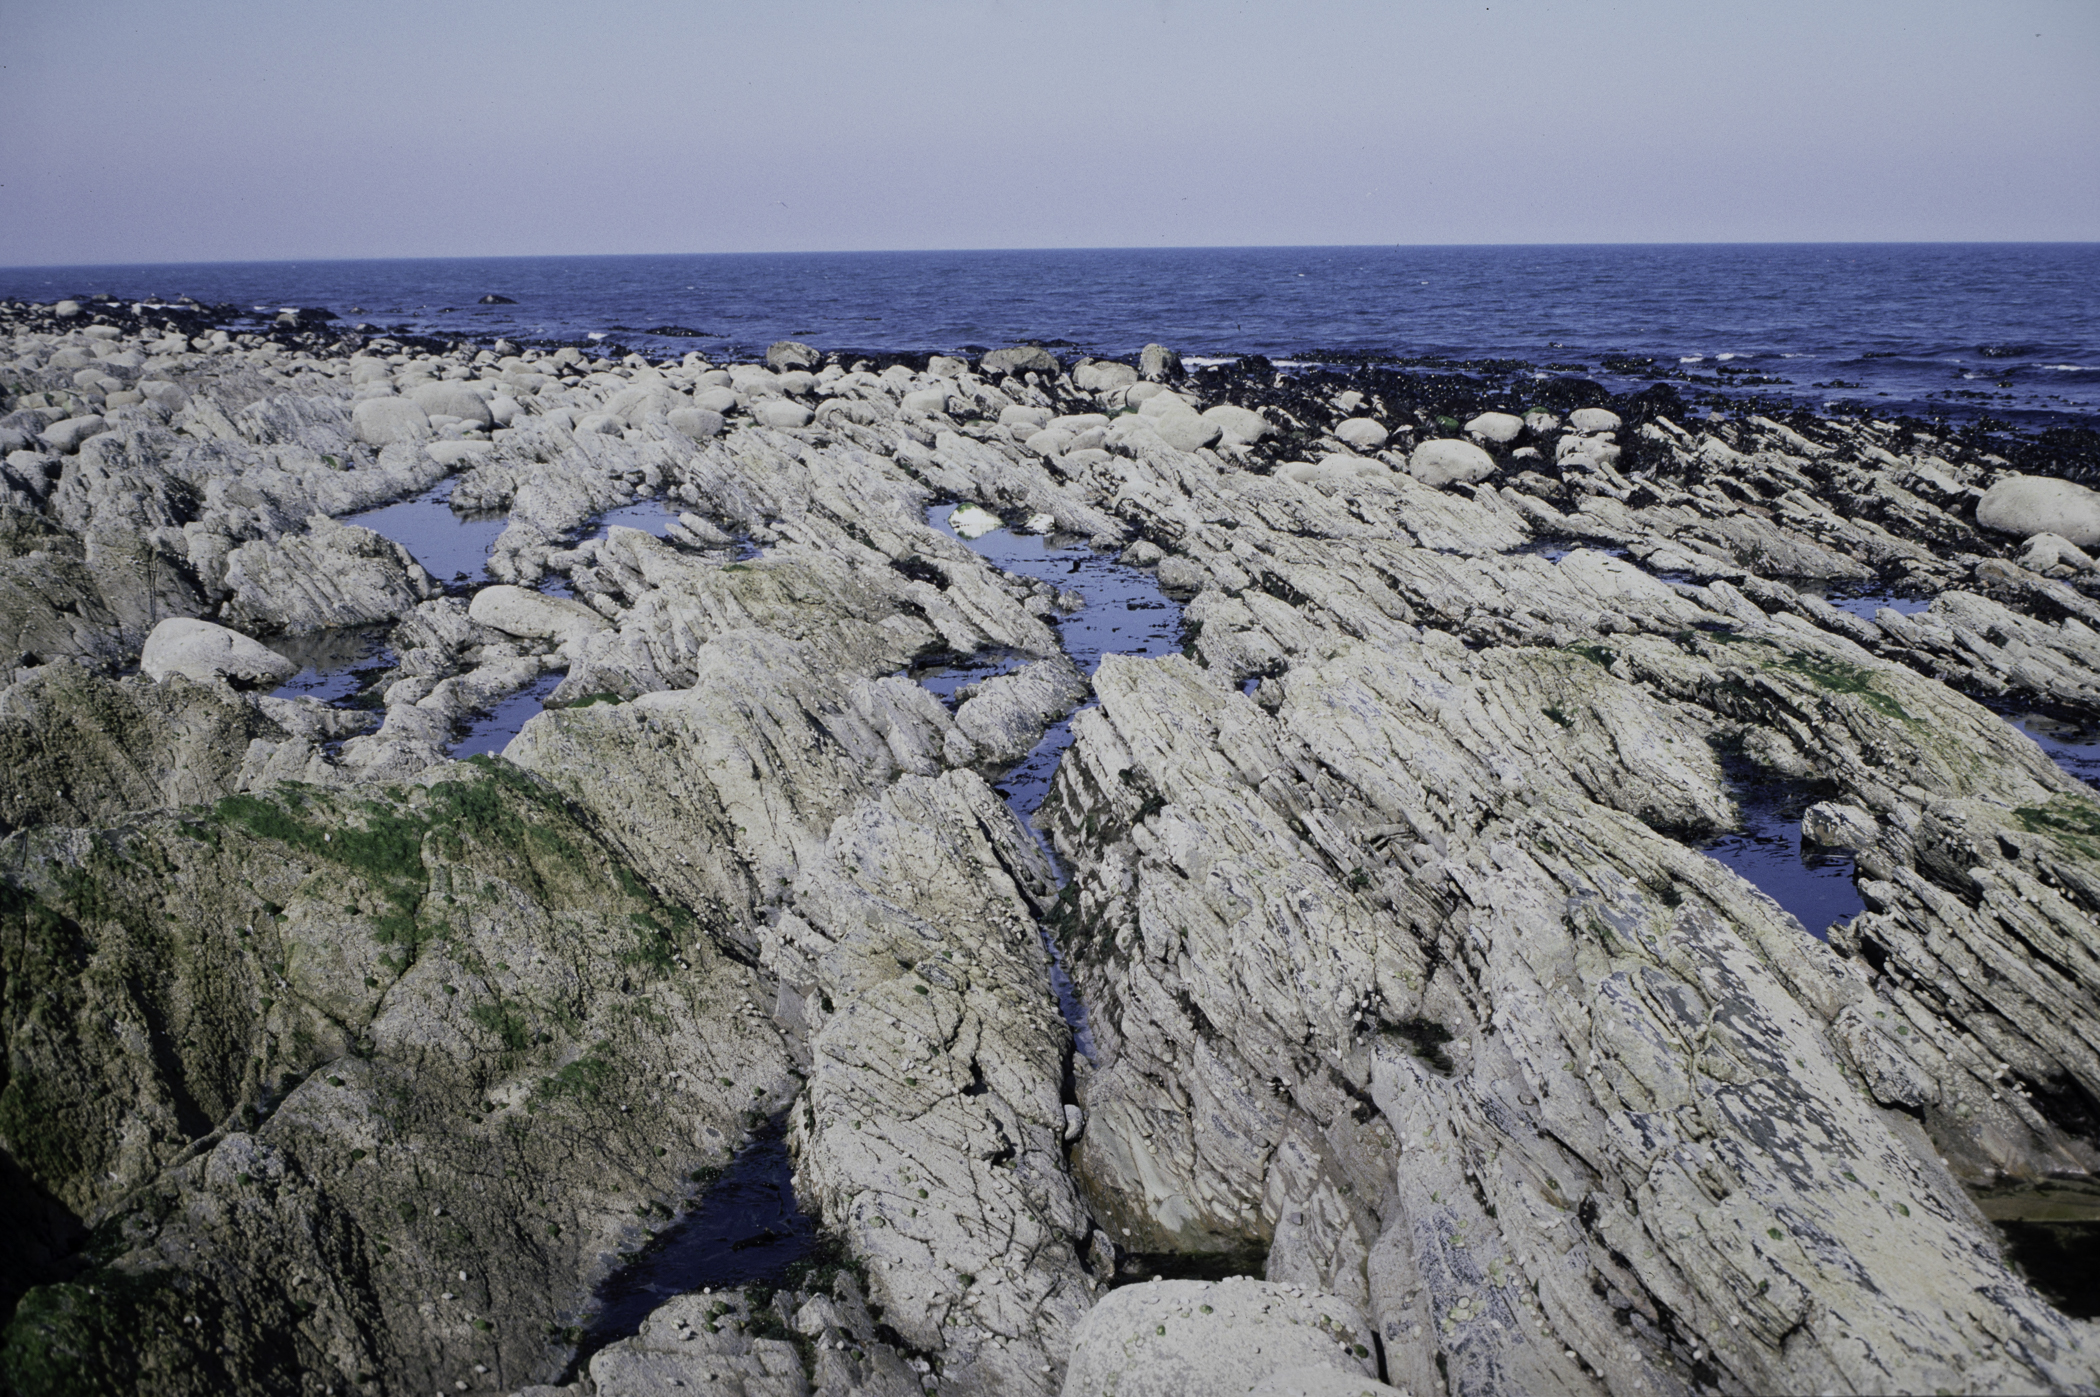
point(1407, 993)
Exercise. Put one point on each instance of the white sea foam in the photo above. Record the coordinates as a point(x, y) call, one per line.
point(1724, 356)
point(2070, 368)
point(1692, 359)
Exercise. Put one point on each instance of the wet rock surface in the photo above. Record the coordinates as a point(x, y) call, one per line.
point(1388, 883)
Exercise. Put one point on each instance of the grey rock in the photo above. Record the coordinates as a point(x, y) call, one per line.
point(792, 354)
point(697, 423)
point(203, 651)
point(1018, 360)
point(1156, 362)
point(1501, 428)
point(1363, 433)
point(1448, 462)
point(385, 421)
point(1170, 1338)
point(2025, 505)
point(65, 437)
point(1102, 375)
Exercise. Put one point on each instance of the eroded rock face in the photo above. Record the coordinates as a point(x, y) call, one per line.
point(1407, 982)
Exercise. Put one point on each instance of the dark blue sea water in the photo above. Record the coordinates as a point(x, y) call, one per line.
point(2005, 329)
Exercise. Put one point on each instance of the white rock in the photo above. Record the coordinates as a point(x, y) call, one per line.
point(696, 422)
point(715, 399)
point(1103, 376)
point(533, 615)
point(1239, 423)
point(926, 400)
point(1444, 461)
point(203, 651)
point(779, 412)
point(66, 436)
point(1593, 419)
point(1335, 466)
point(1174, 1338)
point(603, 423)
point(1320, 1382)
point(1498, 427)
point(1185, 431)
point(385, 421)
point(452, 399)
point(451, 453)
point(1164, 401)
point(946, 366)
point(1362, 433)
point(66, 310)
point(2031, 504)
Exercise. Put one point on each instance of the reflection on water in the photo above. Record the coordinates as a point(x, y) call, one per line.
point(2074, 748)
point(452, 547)
point(1815, 886)
point(1125, 613)
point(489, 733)
point(333, 664)
point(2052, 1234)
point(746, 1228)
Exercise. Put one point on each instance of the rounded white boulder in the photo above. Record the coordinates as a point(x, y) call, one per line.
point(203, 651)
point(1185, 431)
point(2026, 505)
point(699, 423)
point(1593, 419)
point(1446, 461)
point(452, 399)
point(926, 400)
point(779, 412)
point(1362, 433)
point(532, 615)
point(384, 421)
point(1239, 423)
point(1500, 428)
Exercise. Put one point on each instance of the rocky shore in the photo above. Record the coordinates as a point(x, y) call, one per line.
point(1426, 1050)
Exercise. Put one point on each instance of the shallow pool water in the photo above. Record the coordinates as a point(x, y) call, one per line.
point(1125, 613)
point(334, 665)
point(1816, 887)
point(653, 516)
point(490, 732)
point(746, 1228)
point(2074, 749)
point(452, 547)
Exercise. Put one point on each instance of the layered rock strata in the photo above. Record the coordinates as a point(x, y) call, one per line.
point(337, 1065)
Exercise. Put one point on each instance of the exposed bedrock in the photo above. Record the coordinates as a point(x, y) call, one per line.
point(1415, 1007)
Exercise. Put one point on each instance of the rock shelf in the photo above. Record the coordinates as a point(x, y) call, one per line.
point(335, 1063)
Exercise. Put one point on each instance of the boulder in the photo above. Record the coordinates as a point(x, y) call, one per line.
point(1022, 358)
point(1445, 461)
point(1501, 428)
point(2025, 505)
point(973, 521)
point(385, 421)
point(715, 399)
point(1102, 376)
point(1170, 1338)
point(66, 310)
point(779, 412)
point(1591, 420)
point(792, 354)
point(452, 399)
point(533, 615)
point(203, 651)
point(1239, 423)
point(1185, 431)
point(1163, 402)
point(926, 400)
point(1156, 361)
point(699, 423)
point(1361, 433)
point(946, 366)
point(64, 437)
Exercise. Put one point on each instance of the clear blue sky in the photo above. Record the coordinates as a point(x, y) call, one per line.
point(250, 129)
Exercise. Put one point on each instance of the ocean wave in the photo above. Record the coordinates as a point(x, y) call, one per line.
point(1692, 359)
point(2071, 368)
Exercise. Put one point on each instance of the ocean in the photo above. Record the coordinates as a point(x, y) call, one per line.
point(2005, 331)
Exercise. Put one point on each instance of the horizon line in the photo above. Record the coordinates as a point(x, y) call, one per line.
point(960, 251)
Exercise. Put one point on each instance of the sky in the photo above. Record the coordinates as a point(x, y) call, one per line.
point(231, 130)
